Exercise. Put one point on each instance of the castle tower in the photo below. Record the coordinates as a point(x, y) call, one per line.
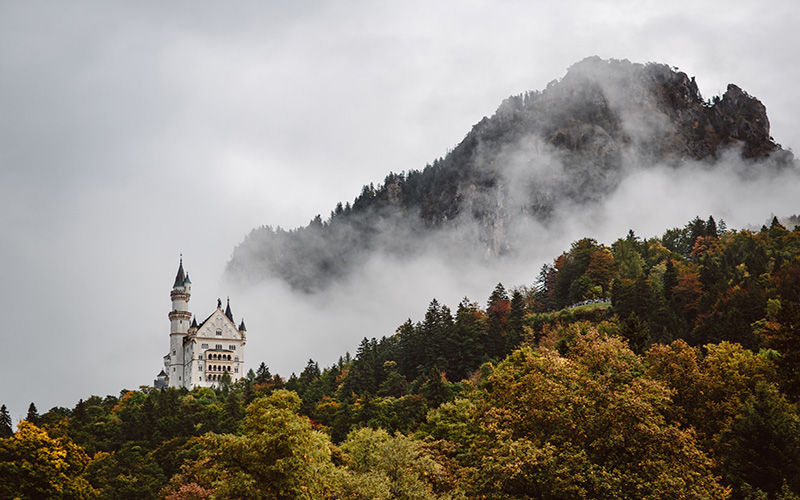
point(201, 354)
point(179, 319)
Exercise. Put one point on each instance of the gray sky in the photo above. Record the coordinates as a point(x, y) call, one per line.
point(133, 132)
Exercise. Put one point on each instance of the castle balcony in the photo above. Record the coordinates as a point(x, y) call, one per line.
point(217, 362)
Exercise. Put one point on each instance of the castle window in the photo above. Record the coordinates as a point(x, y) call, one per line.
point(231, 347)
point(204, 346)
point(219, 347)
point(236, 370)
point(219, 332)
point(200, 368)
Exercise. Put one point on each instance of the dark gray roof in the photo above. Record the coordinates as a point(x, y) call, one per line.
point(180, 278)
point(228, 312)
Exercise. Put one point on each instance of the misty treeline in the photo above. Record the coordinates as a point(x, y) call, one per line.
point(541, 157)
point(665, 367)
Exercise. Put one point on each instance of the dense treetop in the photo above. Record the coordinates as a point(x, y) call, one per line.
point(651, 368)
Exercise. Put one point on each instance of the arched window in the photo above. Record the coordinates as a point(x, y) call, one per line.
point(229, 357)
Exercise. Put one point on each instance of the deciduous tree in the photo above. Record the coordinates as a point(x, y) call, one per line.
point(34, 465)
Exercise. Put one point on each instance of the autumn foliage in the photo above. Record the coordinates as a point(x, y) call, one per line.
point(652, 368)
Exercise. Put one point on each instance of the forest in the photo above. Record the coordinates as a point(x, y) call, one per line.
point(663, 367)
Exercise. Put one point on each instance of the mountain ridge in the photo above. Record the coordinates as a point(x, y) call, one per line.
point(570, 144)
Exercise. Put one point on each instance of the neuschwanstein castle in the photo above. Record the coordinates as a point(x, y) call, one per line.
point(199, 355)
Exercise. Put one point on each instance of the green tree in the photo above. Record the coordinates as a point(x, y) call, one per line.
point(130, 473)
point(760, 447)
point(498, 309)
point(6, 430)
point(389, 467)
point(33, 414)
point(278, 456)
point(516, 316)
point(670, 279)
point(395, 384)
point(467, 344)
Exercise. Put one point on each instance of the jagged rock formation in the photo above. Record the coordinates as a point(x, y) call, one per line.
point(571, 143)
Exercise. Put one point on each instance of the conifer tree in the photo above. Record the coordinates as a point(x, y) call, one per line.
point(6, 430)
point(33, 414)
point(262, 374)
point(497, 311)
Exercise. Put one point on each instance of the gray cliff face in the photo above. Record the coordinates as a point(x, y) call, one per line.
point(569, 144)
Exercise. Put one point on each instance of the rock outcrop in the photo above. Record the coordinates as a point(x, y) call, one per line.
point(569, 144)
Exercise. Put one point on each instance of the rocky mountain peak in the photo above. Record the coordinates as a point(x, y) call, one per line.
point(568, 145)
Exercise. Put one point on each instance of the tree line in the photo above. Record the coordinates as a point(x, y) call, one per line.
point(684, 383)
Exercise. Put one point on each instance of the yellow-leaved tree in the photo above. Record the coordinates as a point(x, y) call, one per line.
point(35, 465)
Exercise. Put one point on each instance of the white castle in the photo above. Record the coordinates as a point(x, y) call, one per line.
point(200, 355)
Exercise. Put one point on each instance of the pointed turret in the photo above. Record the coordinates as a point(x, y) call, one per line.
point(180, 278)
point(228, 312)
point(193, 327)
point(161, 380)
point(179, 318)
point(242, 328)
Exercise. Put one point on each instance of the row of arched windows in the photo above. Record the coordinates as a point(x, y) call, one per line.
point(220, 356)
point(216, 368)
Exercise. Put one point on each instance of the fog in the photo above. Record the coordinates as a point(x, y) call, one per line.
point(131, 134)
point(387, 289)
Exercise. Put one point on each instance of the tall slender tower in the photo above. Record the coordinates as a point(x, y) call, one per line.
point(179, 318)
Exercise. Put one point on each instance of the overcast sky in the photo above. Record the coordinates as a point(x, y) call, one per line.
point(132, 132)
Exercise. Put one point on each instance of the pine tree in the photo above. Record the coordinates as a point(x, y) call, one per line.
point(711, 227)
point(5, 423)
point(515, 320)
point(33, 414)
point(262, 374)
point(670, 279)
point(497, 310)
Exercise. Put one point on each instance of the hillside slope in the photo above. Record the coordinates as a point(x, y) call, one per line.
point(541, 153)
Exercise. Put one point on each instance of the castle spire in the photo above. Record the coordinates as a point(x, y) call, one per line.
point(180, 278)
point(228, 312)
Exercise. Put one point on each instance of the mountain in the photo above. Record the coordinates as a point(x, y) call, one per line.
point(541, 153)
